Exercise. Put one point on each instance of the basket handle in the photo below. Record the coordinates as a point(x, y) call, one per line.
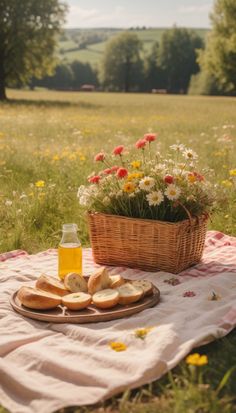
point(188, 213)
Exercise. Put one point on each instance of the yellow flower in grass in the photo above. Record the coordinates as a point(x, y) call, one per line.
point(55, 158)
point(227, 183)
point(232, 172)
point(129, 187)
point(136, 164)
point(142, 332)
point(118, 346)
point(40, 184)
point(197, 360)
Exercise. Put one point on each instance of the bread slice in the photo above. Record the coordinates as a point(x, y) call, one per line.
point(38, 299)
point(116, 281)
point(106, 298)
point(99, 280)
point(51, 284)
point(77, 301)
point(128, 293)
point(75, 283)
point(145, 285)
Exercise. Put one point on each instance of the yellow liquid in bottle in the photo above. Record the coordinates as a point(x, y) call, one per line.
point(69, 259)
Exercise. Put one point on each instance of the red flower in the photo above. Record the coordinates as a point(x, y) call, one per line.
point(169, 179)
point(107, 171)
point(150, 137)
point(99, 157)
point(114, 168)
point(94, 179)
point(199, 176)
point(118, 150)
point(140, 143)
point(121, 173)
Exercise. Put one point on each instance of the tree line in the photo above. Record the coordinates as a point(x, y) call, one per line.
point(179, 63)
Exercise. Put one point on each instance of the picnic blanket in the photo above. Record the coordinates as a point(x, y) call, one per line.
point(44, 367)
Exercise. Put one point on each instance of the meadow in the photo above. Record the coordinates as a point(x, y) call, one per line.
point(47, 144)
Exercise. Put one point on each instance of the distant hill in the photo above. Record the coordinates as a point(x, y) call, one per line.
point(87, 45)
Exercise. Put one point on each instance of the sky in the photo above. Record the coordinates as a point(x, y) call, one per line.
point(131, 13)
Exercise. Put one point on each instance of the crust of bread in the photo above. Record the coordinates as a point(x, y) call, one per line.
point(51, 284)
point(99, 280)
point(75, 283)
point(145, 285)
point(107, 298)
point(116, 281)
point(37, 299)
point(129, 294)
point(77, 301)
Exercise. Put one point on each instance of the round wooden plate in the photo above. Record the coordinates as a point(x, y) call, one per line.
point(91, 314)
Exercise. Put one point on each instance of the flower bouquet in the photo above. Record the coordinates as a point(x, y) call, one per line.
point(145, 210)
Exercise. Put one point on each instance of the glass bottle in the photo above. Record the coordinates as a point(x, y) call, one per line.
point(69, 251)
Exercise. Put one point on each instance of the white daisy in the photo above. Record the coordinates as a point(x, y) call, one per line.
point(147, 183)
point(8, 202)
point(179, 147)
point(190, 154)
point(155, 198)
point(172, 192)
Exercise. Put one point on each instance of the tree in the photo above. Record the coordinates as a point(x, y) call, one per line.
point(28, 30)
point(178, 57)
point(122, 64)
point(219, 57)
point(155, 76)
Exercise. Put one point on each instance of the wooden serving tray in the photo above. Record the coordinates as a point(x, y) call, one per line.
point(91, 314)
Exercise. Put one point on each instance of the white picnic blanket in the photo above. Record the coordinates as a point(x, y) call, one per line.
point(44, 367)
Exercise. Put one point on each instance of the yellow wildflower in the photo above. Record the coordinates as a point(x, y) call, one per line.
point(135, 175)
point(118, 346)
point(40, 184)
point(232, 172)
point(72, 157)
point(142, 332)
point(136, 164)
point(197, 360)
point(55, 158)
point(226, 183)
point(82, 158)
point(192, 178)
point(129, 187)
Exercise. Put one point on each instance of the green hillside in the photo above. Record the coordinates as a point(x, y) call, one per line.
point(87, 45)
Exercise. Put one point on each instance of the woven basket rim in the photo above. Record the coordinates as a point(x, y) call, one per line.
point(144, 220)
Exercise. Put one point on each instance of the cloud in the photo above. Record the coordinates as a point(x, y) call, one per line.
point(81, 17)
point(203, 8)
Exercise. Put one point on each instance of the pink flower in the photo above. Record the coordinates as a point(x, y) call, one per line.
point(118, 150)
point(169, 179)
point(99, 157)
point(199, 176)
point(94, 179)
point(140, 143)
point(107, 171)
point(121, 173)
point(189, 294)
point(114, 168)
point(150, 137)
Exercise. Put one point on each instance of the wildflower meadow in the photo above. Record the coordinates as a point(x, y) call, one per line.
point(47, 145)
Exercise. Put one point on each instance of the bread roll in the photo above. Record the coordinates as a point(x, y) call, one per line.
point(77, 301)
point(106, 298)
point(51, 284)
point(128, 293)
point(75, 283)
point(99, 280)
point(37, 299)
point(116, 281)
point(145, 285)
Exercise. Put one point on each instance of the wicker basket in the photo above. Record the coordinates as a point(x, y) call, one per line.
point(146, 244)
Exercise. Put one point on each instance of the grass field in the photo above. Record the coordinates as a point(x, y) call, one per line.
point(52, 137)
point(69, 51)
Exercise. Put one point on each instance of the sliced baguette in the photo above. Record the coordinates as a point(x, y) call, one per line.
point(128, 293)
point(145, 285)
point(38, 299)
point(116, 281)
point(77, 301)
point(75, 283)
point(106, 298)
point(99, 280)
point(51, 284)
